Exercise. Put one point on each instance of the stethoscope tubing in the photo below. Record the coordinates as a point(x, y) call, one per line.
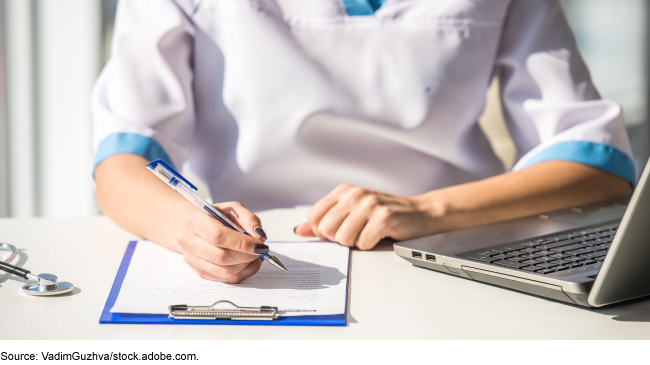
point(13, 250)
point(43, 284)
point(7, 267)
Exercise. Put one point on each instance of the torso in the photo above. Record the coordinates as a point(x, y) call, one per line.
point(294, 97)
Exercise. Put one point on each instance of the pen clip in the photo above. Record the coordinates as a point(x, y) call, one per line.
point(153, 164)
point(173, 179)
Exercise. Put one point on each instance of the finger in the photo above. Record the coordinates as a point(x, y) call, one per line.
point(218, 235)
point(221, 271)
point(249, 271)
point(215, 255)
point(331, 222)
point(304, 230)
point(364, 208)
point(318, 211)
point(244, 218)
point(374, 230)
point(353, 199)
point(351, 228)
point(204, 275)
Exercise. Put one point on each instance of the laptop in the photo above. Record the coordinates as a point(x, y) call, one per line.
point(591, 255)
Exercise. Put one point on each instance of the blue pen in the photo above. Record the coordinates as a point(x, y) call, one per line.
point(186, 189)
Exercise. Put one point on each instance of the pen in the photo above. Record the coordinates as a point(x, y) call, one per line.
point(186, 189)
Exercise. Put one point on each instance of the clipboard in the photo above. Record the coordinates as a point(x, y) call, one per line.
point(138, 318)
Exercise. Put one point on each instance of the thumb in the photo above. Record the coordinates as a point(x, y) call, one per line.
point(304, 230)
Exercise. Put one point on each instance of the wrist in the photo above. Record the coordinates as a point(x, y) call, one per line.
point(435, 207)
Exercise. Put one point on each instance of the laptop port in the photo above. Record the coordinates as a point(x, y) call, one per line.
point(417, 255)
point(431, 258)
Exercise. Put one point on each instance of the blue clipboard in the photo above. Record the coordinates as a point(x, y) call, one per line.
point(136, 318)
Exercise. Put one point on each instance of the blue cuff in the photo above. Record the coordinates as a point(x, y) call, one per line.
point(362, 7)
point(593, 154)
point(130, 143)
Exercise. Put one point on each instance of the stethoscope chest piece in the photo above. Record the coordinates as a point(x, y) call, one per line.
point(47, 284)
point(41, 285)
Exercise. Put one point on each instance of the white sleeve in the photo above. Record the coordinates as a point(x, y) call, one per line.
point(142, 102)
point(551, 107)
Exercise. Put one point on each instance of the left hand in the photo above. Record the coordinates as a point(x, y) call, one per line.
point(354, 216)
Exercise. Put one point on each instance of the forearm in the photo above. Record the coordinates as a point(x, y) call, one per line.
point(543, 187)
point(138, 201)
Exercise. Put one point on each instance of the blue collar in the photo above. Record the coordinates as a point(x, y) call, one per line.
point(362, 7)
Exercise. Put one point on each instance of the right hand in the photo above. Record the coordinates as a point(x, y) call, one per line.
point(216, 252)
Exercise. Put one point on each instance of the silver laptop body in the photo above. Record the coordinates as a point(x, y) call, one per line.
point(622, 271)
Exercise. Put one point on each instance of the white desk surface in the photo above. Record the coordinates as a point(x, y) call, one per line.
point(390, 299)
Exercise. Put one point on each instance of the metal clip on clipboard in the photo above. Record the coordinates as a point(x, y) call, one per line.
point(182, 311)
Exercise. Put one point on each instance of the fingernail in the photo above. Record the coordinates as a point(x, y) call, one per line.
point(294, 229)
point(259, 232)
point(260, 249)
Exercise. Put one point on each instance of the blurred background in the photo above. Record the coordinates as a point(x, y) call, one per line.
point(51, 52)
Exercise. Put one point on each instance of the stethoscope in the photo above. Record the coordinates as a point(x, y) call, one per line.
point(44, 284)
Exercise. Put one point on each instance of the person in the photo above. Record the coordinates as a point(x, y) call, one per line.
point(366, 109)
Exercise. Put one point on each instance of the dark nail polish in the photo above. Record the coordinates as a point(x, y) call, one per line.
point(294, 229)
point(260, 249)
point(259, 232)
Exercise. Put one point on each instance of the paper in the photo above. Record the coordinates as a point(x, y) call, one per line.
point(316, 283)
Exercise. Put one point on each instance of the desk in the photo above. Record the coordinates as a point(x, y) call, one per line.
point(390, 299)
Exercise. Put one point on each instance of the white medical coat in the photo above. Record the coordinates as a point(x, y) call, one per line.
point(275, 102)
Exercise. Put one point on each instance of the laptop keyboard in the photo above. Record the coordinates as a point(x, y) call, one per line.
point(568, 252)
